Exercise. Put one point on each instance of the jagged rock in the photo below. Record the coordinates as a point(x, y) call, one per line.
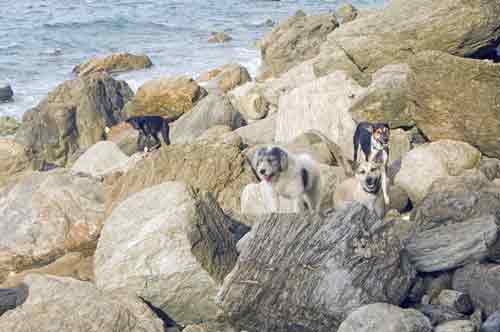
point(347, 13)
point(167, 97)
point(218, 168)
point(456, 325)
point(10, 298)
point(323, 105)
point(479, 281)
point(102, 158)
point(425, 164)
point(170, 247)
point(403, 28)
point(8, 125)
point(383, 317)
point(6, 92)
point(114, 63)
point(65, 304)
point(45, 215)
point(459, 301)
point(219, 37)
point(73, 117)
point(439, 314)
point(295, 40)
point(314, 270)
point(212, 110)
point(444, 88)
point(385, 99)
point(492, 324)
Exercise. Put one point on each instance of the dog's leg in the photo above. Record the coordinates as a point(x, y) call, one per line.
point(157, 140)
point(385, 187)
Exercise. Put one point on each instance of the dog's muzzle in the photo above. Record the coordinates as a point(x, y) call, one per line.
point(371, 185)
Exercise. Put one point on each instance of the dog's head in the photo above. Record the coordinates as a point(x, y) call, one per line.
point(381, 133)
point(133, 122)
point(268, 162)
point(369, 175)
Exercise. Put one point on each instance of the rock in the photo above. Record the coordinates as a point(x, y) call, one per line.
point(209, 75)
point(125, 137)
point(347, 13)
point(258, 132)
point(477, 319)
point(220, 134)
point(208, 327)
point(219, 37)
point(6, 92)
point(490, 167)
point(434, 284)
point(165, 97)
point(439, 314)
point(399, 145)
point(74, 264)
point(114, 63)
point(442, 113)
point(257, 198)
point(456, 325)
point(478, 281)
point(85, 309)
point(385, 99)
point(423, 165)
point(459, 301)
point(492, 324)
point(102, 158)
point(403, 28)
point(295, 40)
point(14, 159)
point(160, 243)
point(314, 270)
point(252, 105)
point(231, 76)
point(10, 298)
point(454, 245)
point(8, 125)
point(322, 105)
point(218, 168)
point(45, 215)
point(383, 317)
point(213, 110)
point(73, 117)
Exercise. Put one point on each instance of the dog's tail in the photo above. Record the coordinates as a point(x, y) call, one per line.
point(336, 152)
point(165, 132)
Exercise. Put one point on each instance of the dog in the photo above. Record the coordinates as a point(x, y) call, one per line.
point(365, 187)
point(149, 127)
point(292, 176)
point(373, 140)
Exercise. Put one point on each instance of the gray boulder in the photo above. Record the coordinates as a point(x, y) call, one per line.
point(439, 314)
point(492, 324)
point(11, 298)
point(6, 92)
point(258, 132)
point(456, 325)
point(100, 159)
point(383, 317)
point(65, 304)
point(73, 117)
point(308, 272)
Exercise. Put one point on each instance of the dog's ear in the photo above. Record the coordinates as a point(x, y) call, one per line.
point(282, 157)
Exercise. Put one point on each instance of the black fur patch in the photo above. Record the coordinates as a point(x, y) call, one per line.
point(150, 127)
point(305, 177)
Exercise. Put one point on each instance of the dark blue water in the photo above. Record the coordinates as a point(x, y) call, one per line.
point(42, 40)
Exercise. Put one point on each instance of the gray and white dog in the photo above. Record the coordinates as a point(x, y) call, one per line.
point(292, 176)
point(365, 187)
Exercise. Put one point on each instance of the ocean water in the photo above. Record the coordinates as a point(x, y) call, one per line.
point(42, 40)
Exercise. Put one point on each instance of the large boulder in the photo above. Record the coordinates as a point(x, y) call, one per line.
point(170, 247)
point(405, 27)
point(383, 317)
point(167, 97)
point(114, 63)
point(125, 136)
point(65, 304)
point(74, 116)
point(294, 41)
point(249, 101)
point(231, 76)
point(323, 105)
point(480, 282)
point(308, 272)
point(45, 215)
point(102, 158)
point(259, 132)
point(218, 168)
point(425, 164)
point(211, 111)
point(445, 88)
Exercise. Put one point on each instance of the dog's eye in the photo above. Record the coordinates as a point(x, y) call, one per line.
point(362, 172)
point(373, 170)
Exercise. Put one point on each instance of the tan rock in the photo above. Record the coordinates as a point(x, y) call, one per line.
point(8, 125)
point(125, 136)
point(118, 62)
point(209, 75)
point(14, 159)
point(347, 12)
point(219, 37)
point(165, 97)
point(231, 76)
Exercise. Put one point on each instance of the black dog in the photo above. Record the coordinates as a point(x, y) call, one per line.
point(371, 137)
point(149, 127)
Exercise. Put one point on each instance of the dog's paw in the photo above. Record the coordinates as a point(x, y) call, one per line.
point(387, 200)
point(146, 149)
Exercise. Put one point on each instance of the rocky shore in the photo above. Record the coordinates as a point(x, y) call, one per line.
point(97, 236)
